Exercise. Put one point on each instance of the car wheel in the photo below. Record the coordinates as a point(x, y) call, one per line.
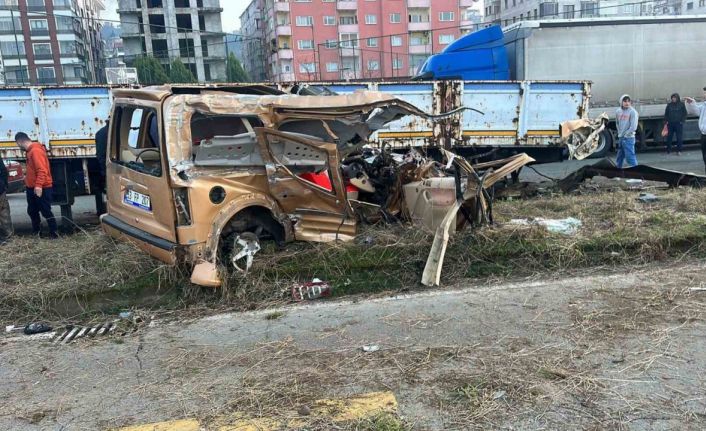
point(605, 144)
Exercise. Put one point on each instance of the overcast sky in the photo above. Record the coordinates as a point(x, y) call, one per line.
point(230, 16)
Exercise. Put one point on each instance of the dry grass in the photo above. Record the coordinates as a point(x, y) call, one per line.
point(89, 273)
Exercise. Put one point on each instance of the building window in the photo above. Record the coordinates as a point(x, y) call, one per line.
point(416, 18)
point(329, 20)
point(568, 11)
point(286, 68)
point(305, 44)
point(395, 18)
point(396, 41)
point(588, 9)
point(305, 21)
point(307, 67)
point(8, 26)
point(42, 50)
point(39, 26)
point(349, 40)
point(689, 6)
point(372, 42)
point(46, 74)
point(445, 39)
point(702, 3)
point(68, 47)
point(514, 3)
point(507, 6)
point(446, 16)
point(548, 9)
point(371, 19)
point(35, 4)
point(332, 67)
point(397, 64)
point(331, 43)
point(12, 48)
point(417, 39)
point(373, 65)
point(348, 19)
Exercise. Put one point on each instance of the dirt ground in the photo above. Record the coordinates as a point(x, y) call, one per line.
point(596, 351)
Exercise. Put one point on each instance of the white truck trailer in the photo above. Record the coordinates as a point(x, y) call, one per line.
point(647, 57)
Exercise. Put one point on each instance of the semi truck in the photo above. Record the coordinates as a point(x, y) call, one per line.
point(647, 57)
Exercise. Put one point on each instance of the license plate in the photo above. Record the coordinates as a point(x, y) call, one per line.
point(138, 200)
point(13, 173)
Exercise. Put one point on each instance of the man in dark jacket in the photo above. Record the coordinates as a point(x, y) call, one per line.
point(5, 220)
point(674, 117)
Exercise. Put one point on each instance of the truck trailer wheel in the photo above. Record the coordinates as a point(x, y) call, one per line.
point(605, 144)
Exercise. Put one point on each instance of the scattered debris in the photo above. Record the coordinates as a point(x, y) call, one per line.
point(125, 314)
point(499, 394)
point(608, 169)
point(566, 226)
point(648, 197)
point(473, 203)
point(311, 290)
point(36, 328)
point(250, 245)
point(582, 137)
point(371, 348)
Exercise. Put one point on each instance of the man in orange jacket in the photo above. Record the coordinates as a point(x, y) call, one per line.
point(39, 184)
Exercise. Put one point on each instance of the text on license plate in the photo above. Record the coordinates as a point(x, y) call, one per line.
point(13, 173)
point(138, 200)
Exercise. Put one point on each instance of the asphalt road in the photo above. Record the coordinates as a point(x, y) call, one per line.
point(84, 209)
point(690, 161)
point(622, 351)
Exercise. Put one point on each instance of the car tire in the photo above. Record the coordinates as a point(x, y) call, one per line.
point(605, 145)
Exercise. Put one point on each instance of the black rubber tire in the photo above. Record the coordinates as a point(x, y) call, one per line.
point(605, 145)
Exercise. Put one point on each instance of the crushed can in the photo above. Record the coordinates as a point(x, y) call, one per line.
point(311, 290)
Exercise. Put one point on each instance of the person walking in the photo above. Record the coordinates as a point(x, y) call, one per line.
point(674, 118)
point(699, 109)
point(5, 219)
point(626, 121)
point(39, 184)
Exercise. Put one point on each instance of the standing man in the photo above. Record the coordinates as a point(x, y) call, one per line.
point(5, 220)
point(700, 110)
point(626, 120)
point(39, 184)
point(674, 117)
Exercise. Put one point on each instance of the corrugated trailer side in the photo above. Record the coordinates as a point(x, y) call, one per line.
point(647, 57)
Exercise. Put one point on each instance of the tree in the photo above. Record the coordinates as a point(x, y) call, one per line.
point(179, 73)
point(150, 71)
point(235, 71)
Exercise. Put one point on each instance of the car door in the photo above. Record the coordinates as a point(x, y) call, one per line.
point(305, 179)
point(139, 192)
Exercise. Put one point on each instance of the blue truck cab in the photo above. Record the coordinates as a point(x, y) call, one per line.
point(478, 56)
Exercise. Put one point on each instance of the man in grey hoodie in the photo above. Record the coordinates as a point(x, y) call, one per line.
point(626, 121)
point(699, 109)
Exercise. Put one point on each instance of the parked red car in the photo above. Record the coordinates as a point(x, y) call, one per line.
point(16, 177)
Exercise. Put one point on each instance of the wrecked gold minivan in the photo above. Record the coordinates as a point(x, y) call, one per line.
point(194, 172)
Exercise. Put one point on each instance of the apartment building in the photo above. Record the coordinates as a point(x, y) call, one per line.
point(167, 29)
point(50, 42)
point(303, 40)
point(506, 12)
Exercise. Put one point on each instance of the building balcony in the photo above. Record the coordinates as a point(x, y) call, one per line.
point(127, 10)
point(349, 52)
point(420, 49)
point(208, 9)
point(39, 32)
point(46, 81)
point(419, 3)
point(348, 28)
point(43, 56)
point(281, 6)
point(285, 54)
point(467, 24)
point(131, 35)
point(283, 30)
point(419, 26)
point(347, 5)
point(466, 3)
